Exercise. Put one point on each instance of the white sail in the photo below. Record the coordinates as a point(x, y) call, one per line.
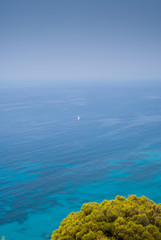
point(78, 118)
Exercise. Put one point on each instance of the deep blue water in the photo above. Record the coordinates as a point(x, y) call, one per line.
point(51, 163)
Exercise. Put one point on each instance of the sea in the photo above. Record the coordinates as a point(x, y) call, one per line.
point(51, 162)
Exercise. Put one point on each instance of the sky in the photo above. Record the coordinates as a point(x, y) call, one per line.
point(80, 40)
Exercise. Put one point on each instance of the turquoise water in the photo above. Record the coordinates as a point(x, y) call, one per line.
point(51, 163)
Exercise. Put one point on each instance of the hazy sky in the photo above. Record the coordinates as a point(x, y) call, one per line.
point(80, 39)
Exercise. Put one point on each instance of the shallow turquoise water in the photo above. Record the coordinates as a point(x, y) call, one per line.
point(51, 163)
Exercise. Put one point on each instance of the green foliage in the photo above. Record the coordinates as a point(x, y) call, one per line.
point(134, 218)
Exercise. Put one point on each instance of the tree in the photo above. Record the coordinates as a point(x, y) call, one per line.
point(136, 218)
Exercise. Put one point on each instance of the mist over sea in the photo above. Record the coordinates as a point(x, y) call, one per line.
point(51, 163)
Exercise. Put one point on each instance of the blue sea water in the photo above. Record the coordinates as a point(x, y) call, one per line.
point(51, 163)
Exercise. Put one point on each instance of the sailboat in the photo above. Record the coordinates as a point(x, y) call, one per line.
point(78, 118)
